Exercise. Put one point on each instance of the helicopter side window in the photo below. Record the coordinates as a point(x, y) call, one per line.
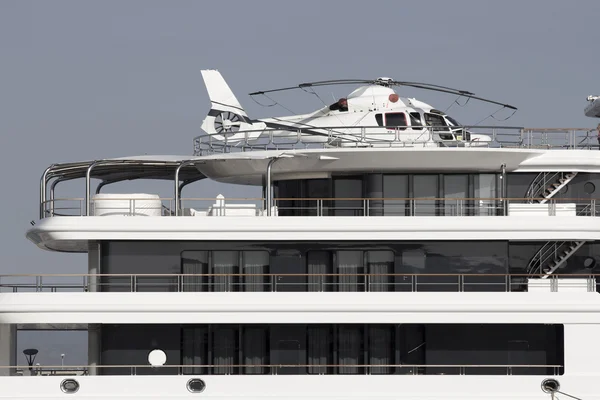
point(379, 119)
point(396, 120)
point(415, 121)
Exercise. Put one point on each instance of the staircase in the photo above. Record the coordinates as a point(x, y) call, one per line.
point(547, 184)
point(552, 256)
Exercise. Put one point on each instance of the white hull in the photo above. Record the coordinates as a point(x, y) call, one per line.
point(293, 387)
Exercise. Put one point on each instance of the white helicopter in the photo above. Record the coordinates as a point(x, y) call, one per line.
point(371, 115)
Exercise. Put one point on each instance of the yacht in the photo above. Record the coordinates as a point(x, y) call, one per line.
point(413, 259)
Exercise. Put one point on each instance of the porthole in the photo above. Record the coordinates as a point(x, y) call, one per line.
point(589, 188)
point(550, 386)
point(589, 263)
point(196, 385)
point(69, 386)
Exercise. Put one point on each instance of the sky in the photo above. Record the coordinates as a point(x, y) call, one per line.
point(83, 80)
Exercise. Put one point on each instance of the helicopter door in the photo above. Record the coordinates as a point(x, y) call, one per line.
point(438, 125)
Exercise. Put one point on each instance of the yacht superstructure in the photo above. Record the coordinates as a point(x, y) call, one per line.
point(375, 265)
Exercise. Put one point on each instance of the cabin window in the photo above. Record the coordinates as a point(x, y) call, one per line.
point(396, 194)
point(396, 120)
point(456, 191)
point(380, 264)
point(425, 193)
point(379, 119)
point(345, 190)
point(350, 270)
point(215, 271)
point(415, 121)
point(352, 349)
point(485, 189)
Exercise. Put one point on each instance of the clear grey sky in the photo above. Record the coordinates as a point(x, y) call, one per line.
point(85, 80)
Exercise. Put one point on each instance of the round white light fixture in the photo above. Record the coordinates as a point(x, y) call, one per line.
point(157, 357)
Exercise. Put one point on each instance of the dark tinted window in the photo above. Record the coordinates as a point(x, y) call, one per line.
point(431, 349)
point(396, 119)
point(379, 119)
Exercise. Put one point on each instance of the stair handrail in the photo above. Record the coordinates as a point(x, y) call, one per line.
point(552, 243)
point(539, 184)
point(549, 248)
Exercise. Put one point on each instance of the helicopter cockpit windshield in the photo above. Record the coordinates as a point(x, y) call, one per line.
point(438, 125)
point(457, 129)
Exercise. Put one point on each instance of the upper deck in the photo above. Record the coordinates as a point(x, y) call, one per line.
point(523, 151)
point(549, 173)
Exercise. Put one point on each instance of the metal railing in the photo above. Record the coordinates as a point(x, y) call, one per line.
point(396, 136)
point(543, 182)
point(393, 282)
point(313, 206)
point(299, 369)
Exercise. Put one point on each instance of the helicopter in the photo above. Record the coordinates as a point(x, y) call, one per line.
point(371, 115)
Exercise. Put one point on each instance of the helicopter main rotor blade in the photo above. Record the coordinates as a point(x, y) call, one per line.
point(443, 89)
point(417, 85)
point(338, 82)
point(318, 83)
point(422, 85)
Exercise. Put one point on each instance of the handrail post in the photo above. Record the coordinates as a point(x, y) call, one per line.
point(503, 188)
point(88, 176)
point(43, 182)
point(270, 184)
point(52, 187)
point(177, 186)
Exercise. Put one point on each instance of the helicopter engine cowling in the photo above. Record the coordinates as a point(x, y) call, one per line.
point(372, 97)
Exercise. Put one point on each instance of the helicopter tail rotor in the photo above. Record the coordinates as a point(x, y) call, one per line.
point(226, 116)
